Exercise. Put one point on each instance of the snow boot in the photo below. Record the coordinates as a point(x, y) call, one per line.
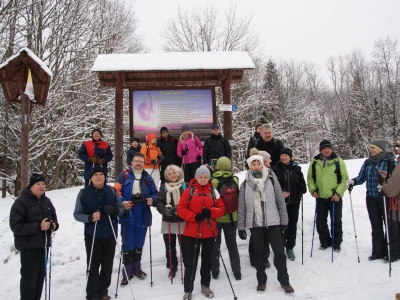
point(238, 276)
point(290, 255)
point(187, 296)
point(104, 297)
point(206, 291)
point(323, 247)
point(261, 288)
point(287, 288)
point(129, 271)
point(373, 257)
point(137, 271)
point(337, 249)
point(398, 296)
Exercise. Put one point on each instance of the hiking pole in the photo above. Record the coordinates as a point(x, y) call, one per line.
point(333, 226)
point(302, 231)
point(222, 259)
point(46, 249)
point(169, 250)
point(194, 261)
point(151, 260)
point(119, 270)
point(120, 250)
point(354, 224)
point(120, 258)
point(51, 249)
point(90, 257)
point(313, 231)
point(180, 249)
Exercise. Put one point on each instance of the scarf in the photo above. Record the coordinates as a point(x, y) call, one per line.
point(173, 192)
point(378, 158)
point(258, 187)
point(136, 184)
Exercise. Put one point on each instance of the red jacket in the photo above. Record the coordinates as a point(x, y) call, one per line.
point(201, 198)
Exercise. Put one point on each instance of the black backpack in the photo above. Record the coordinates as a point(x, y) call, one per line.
point(229, 192)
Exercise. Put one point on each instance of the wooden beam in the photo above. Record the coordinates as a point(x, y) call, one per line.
point(119, 126)
point(226, 99)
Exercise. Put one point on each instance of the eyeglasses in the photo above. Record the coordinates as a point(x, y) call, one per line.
point(138, 161)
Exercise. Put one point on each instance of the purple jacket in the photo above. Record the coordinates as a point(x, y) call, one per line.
point(193, 146)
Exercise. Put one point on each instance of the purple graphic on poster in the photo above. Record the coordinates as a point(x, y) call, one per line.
point(154, 109)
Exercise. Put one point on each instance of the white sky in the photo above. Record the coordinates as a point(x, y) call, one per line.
point(303, 30)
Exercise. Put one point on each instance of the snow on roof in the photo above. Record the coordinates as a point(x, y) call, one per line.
point(173, 61)
point(31, 55)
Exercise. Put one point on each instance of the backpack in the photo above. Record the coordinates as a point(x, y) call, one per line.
point(212, 195)
point(229, 192)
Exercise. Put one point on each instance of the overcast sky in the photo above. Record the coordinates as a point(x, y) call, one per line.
point(303, 30)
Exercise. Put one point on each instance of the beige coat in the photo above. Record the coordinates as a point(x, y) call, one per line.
point(392, 188)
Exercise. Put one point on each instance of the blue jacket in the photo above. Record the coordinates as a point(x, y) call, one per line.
point(90, 200)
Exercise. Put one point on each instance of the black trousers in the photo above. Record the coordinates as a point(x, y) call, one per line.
point(189, 170)
point(102, 257)
point(174, 257)
point(252, 253)
point(274, 235)
point(323, 207)
point(192, 255)
point(32, 273)
point(376, 213)
point(291, 232)
point(229, 230)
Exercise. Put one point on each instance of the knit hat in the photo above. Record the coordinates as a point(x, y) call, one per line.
point(224, 164)
point(264, 154)
point(288, 151)
point(185, 128)
point(95, 170)
point(150, 136)
point(214, 126)
point(35, 177)
point(98, 130)
point(325, 143)
point(163, 129)
point(202, 170)
point(254, 157)
point(380, 144)
point(257, 125)
point(134, 140)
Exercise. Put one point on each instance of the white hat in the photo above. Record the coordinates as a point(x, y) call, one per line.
point(254, 157)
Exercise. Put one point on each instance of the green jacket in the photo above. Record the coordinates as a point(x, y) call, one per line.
point(326, 178)
point(215, 180)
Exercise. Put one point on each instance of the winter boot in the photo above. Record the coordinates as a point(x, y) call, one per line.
point(398, 296)
point(238, 276)
point(261, 288)
point(129, 271)
point(137, 271)
point(187, 296)
point(337, 249)
point(206, 291)
point(104, 297)
point(290, 255)
point(287, 288)
point(323, 247)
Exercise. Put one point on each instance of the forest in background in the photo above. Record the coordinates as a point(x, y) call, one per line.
point(358, 103)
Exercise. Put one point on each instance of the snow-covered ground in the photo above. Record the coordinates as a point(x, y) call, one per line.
point(317, 278)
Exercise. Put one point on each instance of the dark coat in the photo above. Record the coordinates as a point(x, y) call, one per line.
point(215, 147)
point(252, 142)
point(92, 148)
point(162, 201)
point(26, 214)
point(273, 147)
point(168, 148)
point(291, 180)
point(130, 153)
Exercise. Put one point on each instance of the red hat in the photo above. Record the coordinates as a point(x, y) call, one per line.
point(150, 136)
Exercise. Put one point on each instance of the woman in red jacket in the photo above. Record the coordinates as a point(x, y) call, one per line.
point(199, 206)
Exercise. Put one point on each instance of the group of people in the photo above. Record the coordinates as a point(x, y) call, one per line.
point(199, 198)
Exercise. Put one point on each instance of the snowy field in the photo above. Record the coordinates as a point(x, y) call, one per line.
point(317, 278)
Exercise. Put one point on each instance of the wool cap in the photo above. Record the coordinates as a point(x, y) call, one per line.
point(213, 126)
point(380, 144)
point(224, 164)
point(325, 143)
point(96, 170)
point(150, 136)
point(185, 128)
point(257, 125)
point(287, 151)
point(98, 130)
point(134, 140)
point(253, 158)
point(163, 129)
point(35, 177)
point(202, 170)
point(264, 154)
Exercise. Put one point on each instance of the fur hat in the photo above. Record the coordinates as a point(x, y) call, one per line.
point(185, 128)
point(287, 151)
point(325, 143)
point(150, 136)
point(96, 170)
point(380, 144)
point(265, 155)
point(202, 170)
point(253, 158)
point(163, 129)
point(98, 130)
point(35, 177)
point(224, 164)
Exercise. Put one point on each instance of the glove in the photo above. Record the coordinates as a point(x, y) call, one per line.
point(183, 152)
point(93, 160)
point(379, 188)
point(199, 217)
point(198, 158)
point(154, 161)
point(169, 212)
point(160, 157)
point(111, 211)
point(350, 183)
point(174, 209)
point(206, 213)
point(302, 188)
point(242, 234)
point(101, 161)
point(284, 227)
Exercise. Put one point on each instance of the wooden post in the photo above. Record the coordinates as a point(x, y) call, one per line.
point(226, 99)
point(119, 127)
point(25, 121)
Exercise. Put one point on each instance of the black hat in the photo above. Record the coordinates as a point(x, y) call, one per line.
point(287, 151)
point(97, 169)
point(35, 177)
point(325, 143)
point(185, 128)
point(257, 125)
point(98, 130)
point(163, 129)
point(134, 140)
point(213, 126)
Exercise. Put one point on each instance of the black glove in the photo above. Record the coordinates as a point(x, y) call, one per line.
point(154, 161)
point(284, 227)
point(302, 188)
point(169, 212)
point(183, 152)
point(242, 234)
point(206, 213)
point(198, 158)
point(160, 157)
point(199, 217)
point(111, 211)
